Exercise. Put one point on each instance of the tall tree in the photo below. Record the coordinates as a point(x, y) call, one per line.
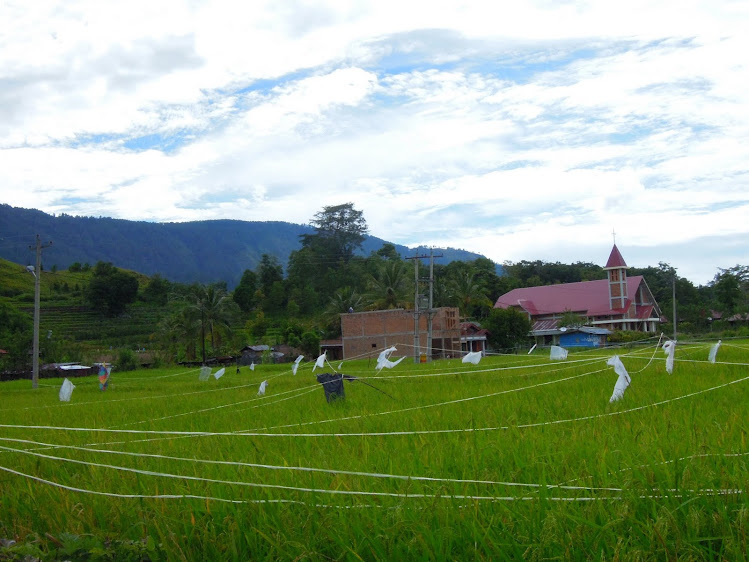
point(215, 309)
point(111, 290)
point(339, 232)
point(268, 272)
point(244, 293)
point(727, 286)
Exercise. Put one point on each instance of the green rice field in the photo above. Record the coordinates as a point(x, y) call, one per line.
point(517, 457)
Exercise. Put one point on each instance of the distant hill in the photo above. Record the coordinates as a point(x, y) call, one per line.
point(200, 251)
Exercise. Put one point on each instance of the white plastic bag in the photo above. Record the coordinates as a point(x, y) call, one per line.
point(623, 381)
point(558, 353)
point(713, 352)
point(66, 390)
point(472, 357)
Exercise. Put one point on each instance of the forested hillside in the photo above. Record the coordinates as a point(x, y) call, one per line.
point(89, 309)
point(201, 251)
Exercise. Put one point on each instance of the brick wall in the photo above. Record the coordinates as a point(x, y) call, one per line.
point(366, 334)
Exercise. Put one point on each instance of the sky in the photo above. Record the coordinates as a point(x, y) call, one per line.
point(523, 130)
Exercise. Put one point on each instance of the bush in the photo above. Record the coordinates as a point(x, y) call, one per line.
point(310, 343)
point(126, 360)
point(627, 336)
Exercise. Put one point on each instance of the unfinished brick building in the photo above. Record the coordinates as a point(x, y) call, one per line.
point(366, 334)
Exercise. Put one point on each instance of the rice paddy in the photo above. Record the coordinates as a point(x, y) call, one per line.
point(516, 457)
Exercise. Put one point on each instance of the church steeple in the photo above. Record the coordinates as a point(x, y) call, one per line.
point(616, 269)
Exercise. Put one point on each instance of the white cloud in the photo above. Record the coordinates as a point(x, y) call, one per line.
point(522, 131)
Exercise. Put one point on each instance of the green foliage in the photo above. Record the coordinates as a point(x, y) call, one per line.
point(390, 286)
point(534, 273)
point(310, 343)
point(244, 293)
point(111, 290)
point(257, 326)
point(157, 291)
point(627, 336)
point(16, 337)
point(388, 252)
point(469, 295)
point(731, 289)
point(339, 232)
point(572, 319)
point(269, 272)
point(211, 308)
point(126, 360)
point(508, 328)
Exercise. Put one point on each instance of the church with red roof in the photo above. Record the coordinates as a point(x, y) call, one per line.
point(619, 302)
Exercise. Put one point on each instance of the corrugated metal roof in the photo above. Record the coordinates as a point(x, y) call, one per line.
point(542, 328)
point(588, 298)
point(540, 325)
point(255, 348)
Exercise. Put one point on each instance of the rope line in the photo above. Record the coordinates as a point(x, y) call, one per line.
point(310, 469)
point(252, 433)
point(349, 493)
point(248, 484)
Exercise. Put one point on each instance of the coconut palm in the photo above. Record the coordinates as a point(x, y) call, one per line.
point(215, 309)
point(180, 327)
point(344, 300)
point(390, 286)
point(468, 293)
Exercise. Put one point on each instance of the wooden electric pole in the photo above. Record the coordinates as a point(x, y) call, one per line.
point(673, 298)
point(37, 308)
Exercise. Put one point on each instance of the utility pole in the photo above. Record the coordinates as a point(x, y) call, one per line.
point(419, 310)
point(202, 328)
point(37, 307)
point(417, 336)
point(673, 298)
point(430, 312)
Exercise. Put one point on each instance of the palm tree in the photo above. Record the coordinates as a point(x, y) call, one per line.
point(182, 326)
point(344, 300)
point(390, 286)
point(215, 308)
point(468, 293)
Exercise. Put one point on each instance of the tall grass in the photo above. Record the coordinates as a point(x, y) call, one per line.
point(515, 457)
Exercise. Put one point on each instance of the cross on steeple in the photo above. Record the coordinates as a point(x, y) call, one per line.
point(613, 233)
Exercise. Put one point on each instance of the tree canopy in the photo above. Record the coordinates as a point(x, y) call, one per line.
point(110, 289)
point(339, 232)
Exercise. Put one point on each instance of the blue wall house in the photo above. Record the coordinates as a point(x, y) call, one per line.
point(584, 336)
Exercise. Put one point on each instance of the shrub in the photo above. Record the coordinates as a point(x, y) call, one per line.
point(126, 360)
point(310, 343)
point(627, 336)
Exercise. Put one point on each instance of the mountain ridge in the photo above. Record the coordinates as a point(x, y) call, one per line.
point(195, 251)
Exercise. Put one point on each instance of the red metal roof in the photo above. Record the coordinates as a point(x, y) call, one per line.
point(472, 329)
point(615, 259)
point(590, 298)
